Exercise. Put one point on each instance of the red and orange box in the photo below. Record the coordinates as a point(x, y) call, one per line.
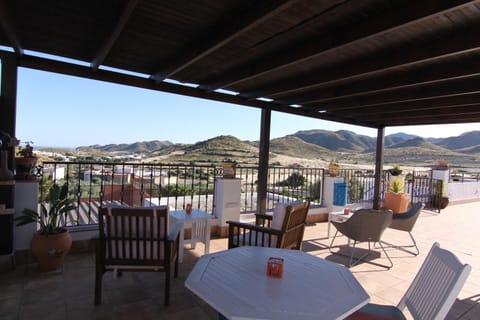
point(275, 267)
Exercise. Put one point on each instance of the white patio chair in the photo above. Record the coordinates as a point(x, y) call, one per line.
point(432, 292)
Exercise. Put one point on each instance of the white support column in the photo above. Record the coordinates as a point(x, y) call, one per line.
point(227, 200)
point(26, 196)
point(328, 192)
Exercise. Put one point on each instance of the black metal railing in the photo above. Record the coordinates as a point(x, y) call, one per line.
point(92, 184)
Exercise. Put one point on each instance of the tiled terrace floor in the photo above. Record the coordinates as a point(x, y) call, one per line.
point(68, 294)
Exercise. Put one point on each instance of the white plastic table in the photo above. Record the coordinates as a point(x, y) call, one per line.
point(234, 282)
point(199, 221)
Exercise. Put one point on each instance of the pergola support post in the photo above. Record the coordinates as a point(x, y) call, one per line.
point(8, 96)
point(263, 158)
point(377, 196)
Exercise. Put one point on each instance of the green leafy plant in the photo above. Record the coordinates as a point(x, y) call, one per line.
point(26, 151)
point(396, 170)
point(441, 188)
point(49, 219)
point(396, 185)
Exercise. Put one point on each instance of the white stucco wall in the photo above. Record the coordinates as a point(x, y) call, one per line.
point(463, 191)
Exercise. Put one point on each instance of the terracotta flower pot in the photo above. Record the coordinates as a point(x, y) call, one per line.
point(24, 168)
point(397, 202)
point(333, 170)
point(50, 251)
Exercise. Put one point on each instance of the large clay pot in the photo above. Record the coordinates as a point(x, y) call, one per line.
point(50, 251)
point(397, 202)
point(333, 169)
point(24, 168)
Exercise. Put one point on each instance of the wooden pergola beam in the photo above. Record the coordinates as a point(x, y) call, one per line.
point(117, 30)
point(409, 14)
point(463, 85)
point(405, 78)
point(437, 103)
point(9, 29)
point(395, 60)
point(223, 33)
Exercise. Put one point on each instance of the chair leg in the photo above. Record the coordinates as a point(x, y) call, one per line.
point(175, 271)
point(98, 286)
point(386, 254)
point(167, 286)
point(331, 243)
point(414, 245)
point(350, 264)
point(354, 260)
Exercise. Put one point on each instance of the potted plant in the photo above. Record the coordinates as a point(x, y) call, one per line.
point(440, 200)
point(440, 164)
point(396, 170)
point(333, 168)
point(52, 241)
point(7, 143)
point(395, 198)
point(24, 162)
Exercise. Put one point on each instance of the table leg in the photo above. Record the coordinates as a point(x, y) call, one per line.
point(328, 226)
point(207, 236)
point(181, 244)
point(193, 236)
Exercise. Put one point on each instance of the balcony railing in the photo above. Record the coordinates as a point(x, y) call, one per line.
point(92, 184)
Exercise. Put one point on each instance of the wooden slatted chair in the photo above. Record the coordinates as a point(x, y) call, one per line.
point(136, 239)
point(284, 229)
point(430, 295)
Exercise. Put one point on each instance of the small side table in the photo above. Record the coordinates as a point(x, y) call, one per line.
point(199, 221)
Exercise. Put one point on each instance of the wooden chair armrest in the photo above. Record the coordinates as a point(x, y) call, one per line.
point(249, 234)
point(264, 216)
point(252, 227)
point(264, 220)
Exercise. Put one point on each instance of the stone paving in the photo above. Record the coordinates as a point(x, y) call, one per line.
point(68, 294)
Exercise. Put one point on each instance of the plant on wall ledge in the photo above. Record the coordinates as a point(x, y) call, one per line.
point(396, 185)
point(396, 170)
point(395, 198)
point(25, 162)
point(440, 164)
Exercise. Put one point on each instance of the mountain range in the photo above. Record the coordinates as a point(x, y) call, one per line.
point(321, 145)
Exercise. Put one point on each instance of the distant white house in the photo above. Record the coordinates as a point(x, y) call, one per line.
point(55, 172)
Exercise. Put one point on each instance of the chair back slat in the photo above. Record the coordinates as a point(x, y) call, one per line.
point(134, 235)
point(288, 234)
point(293, 226)
point(136, 239)
point(436, 286)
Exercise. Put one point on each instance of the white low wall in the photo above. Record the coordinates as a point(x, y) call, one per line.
point(458, 191)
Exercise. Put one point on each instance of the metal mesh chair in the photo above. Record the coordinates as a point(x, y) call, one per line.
point(365, 225)
point(405, 222)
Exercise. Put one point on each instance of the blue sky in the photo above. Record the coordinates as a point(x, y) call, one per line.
point(64, 111)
